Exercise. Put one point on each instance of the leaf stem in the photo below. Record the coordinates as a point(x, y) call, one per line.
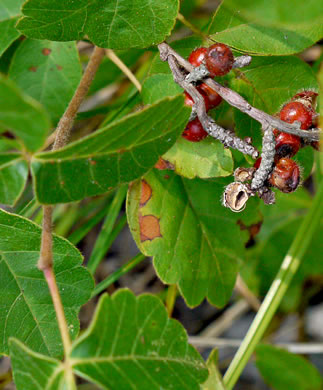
point(45, 262)
point(66, 122)
point(117, 274)
point(61, 320)
point(123, 67)
point(277, 290)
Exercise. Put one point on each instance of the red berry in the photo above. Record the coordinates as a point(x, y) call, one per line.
point(257, 163)
point(214, 98)
point(286, 175)
point(194, 131)
point(287, 145)
point(189, 101)
point(219, 59)
point(197, 56)
point(296, 111)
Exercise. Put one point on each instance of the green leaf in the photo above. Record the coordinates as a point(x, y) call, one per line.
point(10, 8)
point(214, 381)
point(47, 71)
point(133, 344)
point(9, 144)
point(158, 87)
point(195, 241)
point(267, 84)
point(22, 115)
point(13, 176)
point(268, 27)
point(112, 24)
point(116, 154)
point(27, 311)
point(8, 34)
point(205, 159)
point(283, 370)
point(34, 371)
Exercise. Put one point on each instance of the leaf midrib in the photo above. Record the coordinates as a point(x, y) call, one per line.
point(111, 359)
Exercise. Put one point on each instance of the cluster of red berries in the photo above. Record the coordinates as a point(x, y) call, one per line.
point(286, 173)
point(218, 59)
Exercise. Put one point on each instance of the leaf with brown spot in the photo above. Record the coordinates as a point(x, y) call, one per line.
point(46, 51)
point(144, 136)
point(50, 84)
point(199, 241)
point(162, 164)
point(145, 193)
point(149, 227)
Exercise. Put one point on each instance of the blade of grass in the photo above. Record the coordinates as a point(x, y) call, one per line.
point(102, 243)
point(65, 218)
point(171, 298)
point(76, 236)
point(117, 274)
point(277, 290)
point(28, 210)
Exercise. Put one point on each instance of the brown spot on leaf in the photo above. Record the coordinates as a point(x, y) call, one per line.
point(92, 162)
point(166, 177)
point(162, 164)
point(253, 230)
point(46, 51)
point(149, 228)
point(146, 193)
point(59, 67)
point(121, 150)
point(33, 69)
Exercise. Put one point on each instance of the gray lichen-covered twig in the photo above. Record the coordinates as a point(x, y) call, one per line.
point(226, 137)
point(237, 101)
point(267, 159)
point(237, 193)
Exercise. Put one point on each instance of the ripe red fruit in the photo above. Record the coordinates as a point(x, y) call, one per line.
point(257, 163)
point(286, 175)
point(296, 111)
point(214, 98)
point(197, 56)
point(287, 145)
point(194, 131)
point(219, 59)
point(189, 101)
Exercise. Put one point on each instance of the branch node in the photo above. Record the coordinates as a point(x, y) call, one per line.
point(199, 73)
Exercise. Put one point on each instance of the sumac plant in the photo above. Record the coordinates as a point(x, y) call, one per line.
point(196, 124)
